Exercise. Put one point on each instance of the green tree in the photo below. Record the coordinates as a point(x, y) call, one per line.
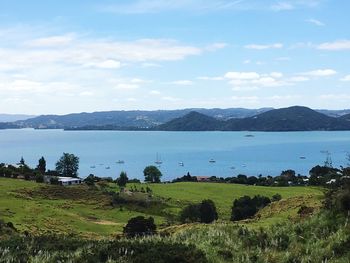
point(152, 174)
point(22, 162)
point(140, 226)
point(122, 180)
point(190, 213)
point(41, 167)
point(208, 211)
point(68, 165)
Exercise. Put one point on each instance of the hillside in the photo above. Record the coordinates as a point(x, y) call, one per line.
point(192, 121)
point(289, 119)
point(286, 119)
point(40, 208)
point(136, 119)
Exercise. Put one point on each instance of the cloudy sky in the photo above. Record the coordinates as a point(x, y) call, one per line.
point(84, 55)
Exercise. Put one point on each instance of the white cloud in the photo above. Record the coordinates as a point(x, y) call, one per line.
point(150, 65)
point(155, 92)
point(182, 82)
point(247, 80)
point(345, 78)
point(87, 93)
point(282, 6)
point(276, 75)
point(242, 75)
point(320, 73)
point(52, 41)
point(336, 45)
point(126, 86)
point(262, 47)
point(315, 22)
point(216, 46)
point(107, 64)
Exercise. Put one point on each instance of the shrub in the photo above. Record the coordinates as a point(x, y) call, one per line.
point(246, 207)
point(208, 212)
point(190, 213)
point(276, 197)
point(140, 226)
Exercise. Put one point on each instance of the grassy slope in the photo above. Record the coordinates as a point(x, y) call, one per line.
point(37, 214)
point(224, 194)
point(31, 208)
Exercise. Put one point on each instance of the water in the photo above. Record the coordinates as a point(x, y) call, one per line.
point(266, 153)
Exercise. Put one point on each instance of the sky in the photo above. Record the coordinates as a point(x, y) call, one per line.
point(59, 57)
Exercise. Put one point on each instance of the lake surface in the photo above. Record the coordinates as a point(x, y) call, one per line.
point(266, 153)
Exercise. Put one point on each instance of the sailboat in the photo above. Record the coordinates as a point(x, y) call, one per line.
point(158, 160)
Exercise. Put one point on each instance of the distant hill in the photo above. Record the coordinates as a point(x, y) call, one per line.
point(269, 119)
point(192, 121)
point(136, 119)
point(286, 119)
point(289, 119)
point(14, 117)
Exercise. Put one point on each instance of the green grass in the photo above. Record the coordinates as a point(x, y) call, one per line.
point(180, 194)
point(40, 208)
point(25, 205)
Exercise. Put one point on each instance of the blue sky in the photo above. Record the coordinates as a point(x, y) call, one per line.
point(83, 55)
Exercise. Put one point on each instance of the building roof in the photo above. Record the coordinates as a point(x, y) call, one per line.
point(68, 179)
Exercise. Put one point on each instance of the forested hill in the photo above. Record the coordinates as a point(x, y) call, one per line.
point(295, 118)
point(287, 119)
point(128, 119)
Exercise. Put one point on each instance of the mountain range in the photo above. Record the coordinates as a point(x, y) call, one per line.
point(294, 118)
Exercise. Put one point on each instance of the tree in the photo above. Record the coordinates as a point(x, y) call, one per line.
point(208, 211)
point(41, 165)
point(68, 165)
point(22, 162)
point(246, 207)
point(190, 213)
point(39, 178)
point(140, 226)
point(122, 180)
point(152, 174)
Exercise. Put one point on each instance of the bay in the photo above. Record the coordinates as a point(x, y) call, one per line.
point(266, 153)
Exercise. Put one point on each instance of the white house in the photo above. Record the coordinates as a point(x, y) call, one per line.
point(69, 181)
point(65, 181)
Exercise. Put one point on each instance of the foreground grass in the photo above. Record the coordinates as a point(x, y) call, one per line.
point(40, 209)
point(87, 212)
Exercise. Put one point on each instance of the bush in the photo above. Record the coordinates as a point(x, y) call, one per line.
point(246, 207)
point(208, 211)
point(190, 214)
point(140, 226)
point(54, 180)
point(39, 178)
point(276, 197)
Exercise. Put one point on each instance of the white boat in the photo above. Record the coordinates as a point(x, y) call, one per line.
point(93, 166)
point(181, 164)
point(120, 162)
point(108, 167)
point(158, 160)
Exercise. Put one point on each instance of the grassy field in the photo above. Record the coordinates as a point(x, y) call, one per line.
point(39, 208)
point(180, 194)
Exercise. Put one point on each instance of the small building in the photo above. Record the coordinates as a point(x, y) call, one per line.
point(65, 181)
point(203, 178)
point(69, 181)
point(332, 181)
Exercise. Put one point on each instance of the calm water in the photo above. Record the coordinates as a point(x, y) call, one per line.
point(265, 153)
